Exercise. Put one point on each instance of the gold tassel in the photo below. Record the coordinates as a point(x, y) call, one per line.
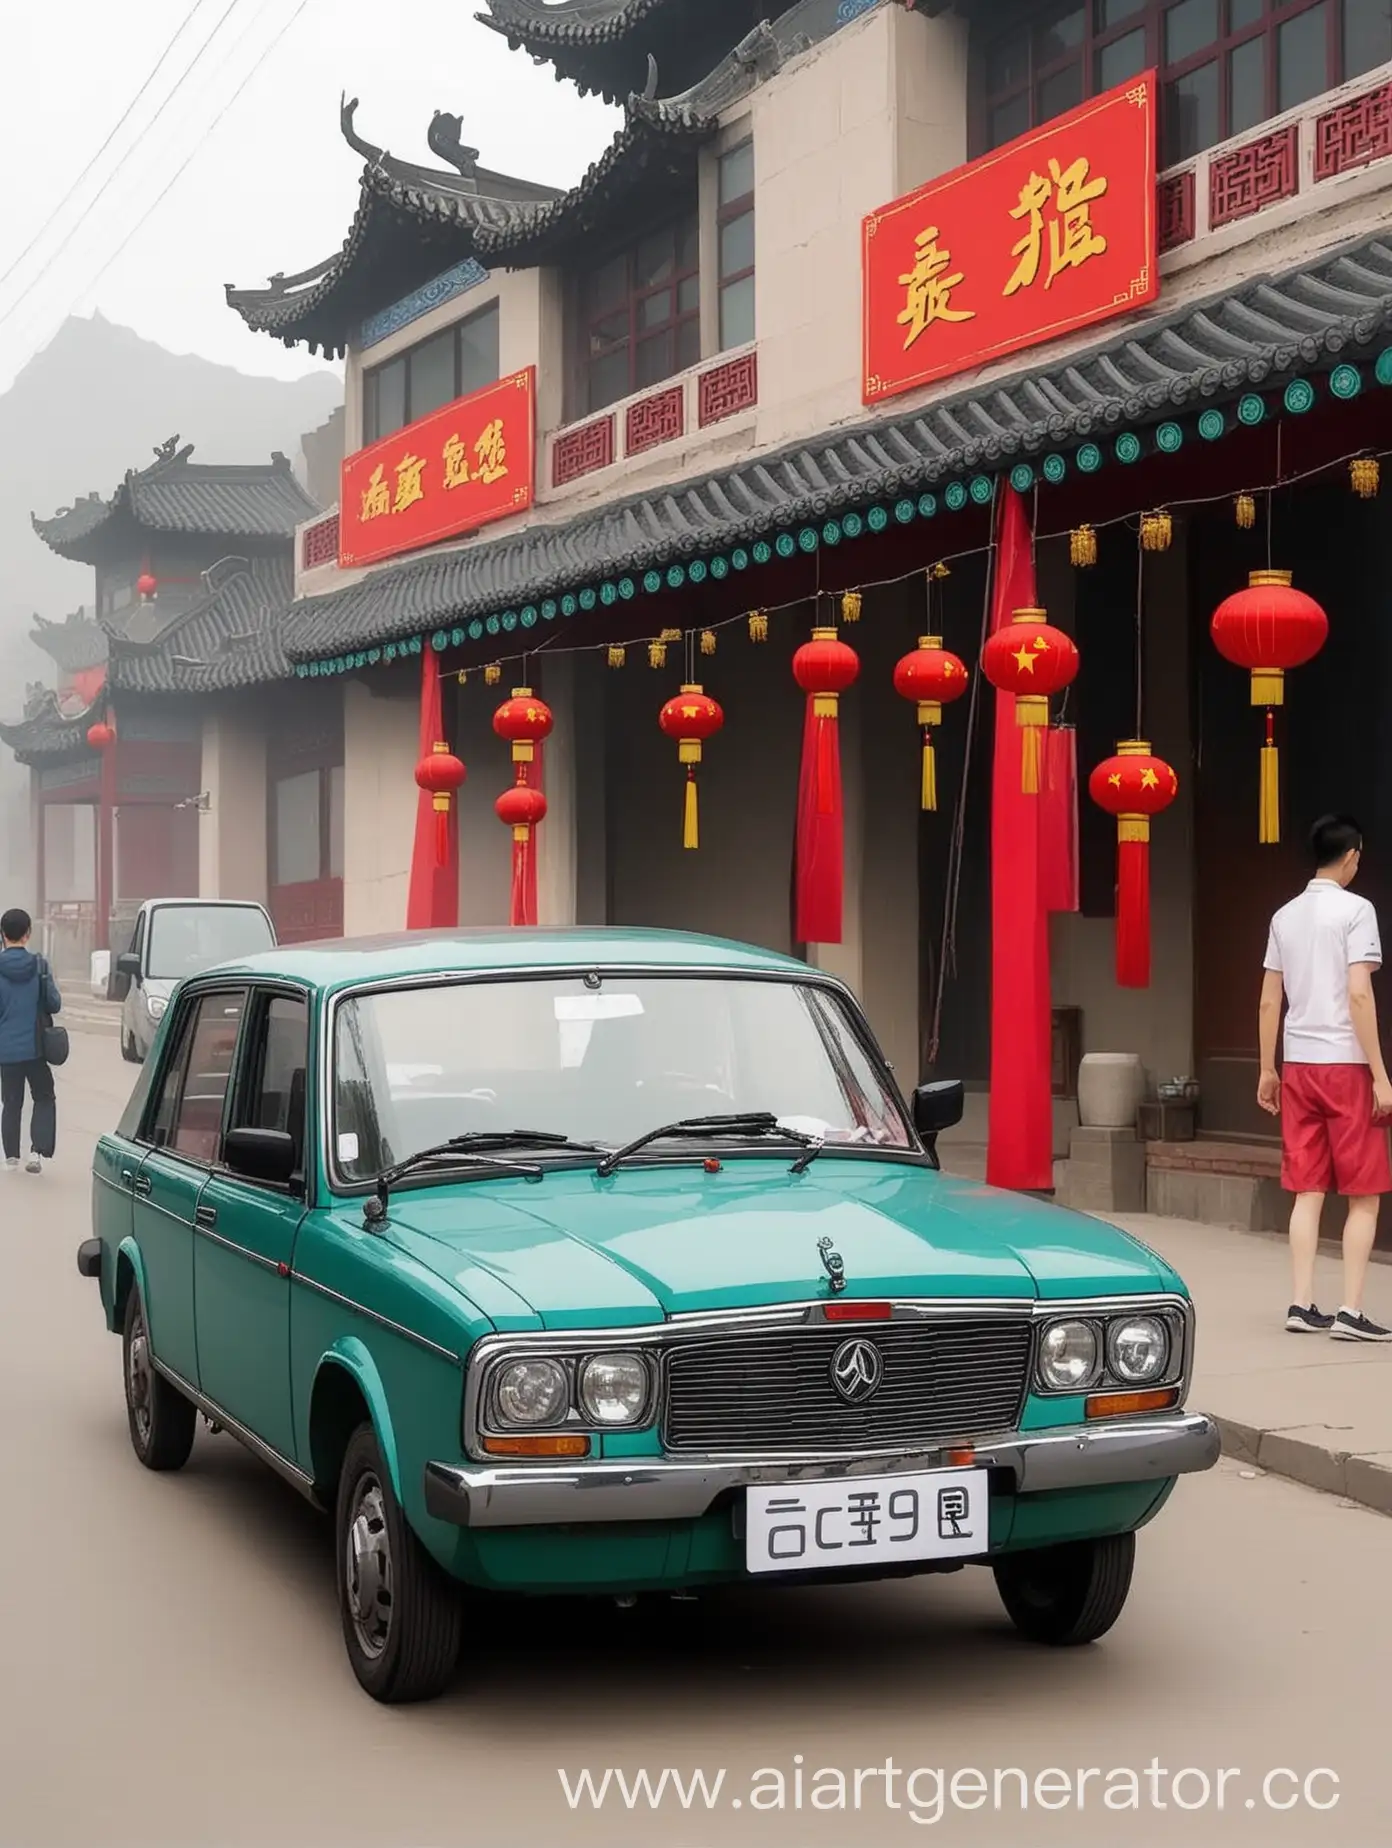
point(930, 775)
point(1029, 758)
point(939, 570)
point(1157, 531)
point(463, 676)
point(657, 654)
point(1245, 511)
point(670, 635)
point(492, 674)
point(1269, 820)
point(617, 654)
point(1082, 546)
point(758, 627)
point(851, 606)
point(708, 641)
point(1366, 476)
point(691, 823)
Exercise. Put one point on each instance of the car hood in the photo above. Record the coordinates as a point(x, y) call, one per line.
point(575, 1251)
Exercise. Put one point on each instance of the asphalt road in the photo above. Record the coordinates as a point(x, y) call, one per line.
point(173, 1673)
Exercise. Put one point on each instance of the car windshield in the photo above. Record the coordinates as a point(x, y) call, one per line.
point(187, 939)
point(597, 1061)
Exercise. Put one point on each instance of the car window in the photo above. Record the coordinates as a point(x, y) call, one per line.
point(273, 1096)
point(192, 1126)
point(187, 939)
point(138, 940)
point(164, 1084)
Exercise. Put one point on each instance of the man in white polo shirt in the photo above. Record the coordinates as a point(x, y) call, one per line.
point(1333, 1095)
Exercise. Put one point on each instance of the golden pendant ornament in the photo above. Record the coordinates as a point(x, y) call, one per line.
point(492, 674)
point(851, 605)
point(707, 641)
point(657, 654)
point(1245, 512)
point(617, 655)
point(1157, 531)
point(1082, 547)
point(758, 627)
point(1365, 475)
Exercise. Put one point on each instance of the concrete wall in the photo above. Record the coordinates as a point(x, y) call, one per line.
point(380, 751)
point(232, 832)
point(485, 845)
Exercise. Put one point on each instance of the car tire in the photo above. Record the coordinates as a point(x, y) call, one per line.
point(1067, 1595)
point(402, 1622)
point(130, 1052)
point(161, 1420)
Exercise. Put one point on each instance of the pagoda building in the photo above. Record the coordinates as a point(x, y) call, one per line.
point(847, 284)
point(193, 567)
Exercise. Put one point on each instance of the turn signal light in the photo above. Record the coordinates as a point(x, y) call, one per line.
point(961, 1459)
point(1121, 1404)
point(857, 1312)
point(537, 1446)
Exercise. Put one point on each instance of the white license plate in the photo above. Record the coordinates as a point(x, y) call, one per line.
point(866, 1521)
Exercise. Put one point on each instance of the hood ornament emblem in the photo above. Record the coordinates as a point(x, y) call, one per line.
point(834, 1264)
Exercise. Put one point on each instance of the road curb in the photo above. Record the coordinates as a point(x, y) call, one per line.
point(78, 1022)
point(1303, 1458)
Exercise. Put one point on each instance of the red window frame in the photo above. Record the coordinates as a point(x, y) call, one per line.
point(1039, 68)
point(591, 347)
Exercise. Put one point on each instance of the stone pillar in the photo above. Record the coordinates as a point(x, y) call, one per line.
point(232, 832)
point(381, 737)
point(556, 838)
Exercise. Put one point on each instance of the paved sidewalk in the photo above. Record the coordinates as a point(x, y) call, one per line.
point(1303, 1406)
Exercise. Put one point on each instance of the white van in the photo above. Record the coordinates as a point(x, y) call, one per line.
point(174, 938)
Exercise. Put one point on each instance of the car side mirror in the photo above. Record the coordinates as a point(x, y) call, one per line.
point(128, 965)
point(260, 1155)
point(937, 1107)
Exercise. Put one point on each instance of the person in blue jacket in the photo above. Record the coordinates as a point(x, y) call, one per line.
point(27, 988)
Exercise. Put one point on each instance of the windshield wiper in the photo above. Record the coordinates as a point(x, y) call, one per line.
point(468, 1151)
point(480, 1141)
point(750, 1123)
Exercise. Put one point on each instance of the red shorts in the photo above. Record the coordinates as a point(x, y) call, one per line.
point(1330, 1140)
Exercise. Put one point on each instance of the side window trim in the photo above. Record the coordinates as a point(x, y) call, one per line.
point(249, 1074)
point(191, 1011)
point(176, 1059)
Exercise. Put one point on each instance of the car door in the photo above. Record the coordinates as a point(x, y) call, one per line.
point(133, 1028)
point(183, 1141)
point(246, 1232)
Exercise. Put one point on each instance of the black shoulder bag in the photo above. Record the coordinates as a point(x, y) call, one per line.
point(51, 1043)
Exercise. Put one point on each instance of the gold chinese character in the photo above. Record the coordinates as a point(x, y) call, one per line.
point(456, 463)
point(376, 498)
point(408, 482)
point(1072, 239)
point(491, 451)
point(929, 291)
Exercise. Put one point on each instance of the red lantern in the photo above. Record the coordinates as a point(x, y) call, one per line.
point(1031, 659)
point(101, 736)
point(525, 722)
point(823, 668)
point(439, 775)
point(147, 584)
point(1269, 628)
point(1133, 786)
point(522, 808)
point(933, 678)
point(691, 718)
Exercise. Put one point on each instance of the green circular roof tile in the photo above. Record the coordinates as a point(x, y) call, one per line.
point(955, 496)
point(676, 576)
point(1022, 477)
point(1055, 467)
point(588, 599)
point(1300, 396)
point(1251, 409)
point(927, 506)
point(1212, 425)
point(877, 519)
point(983, 490)
point(1168, 438)
point(626, 589)
point(476, 630)
point(1346, 381)
point(852, 525)
point(652, 582)
point(763, 551)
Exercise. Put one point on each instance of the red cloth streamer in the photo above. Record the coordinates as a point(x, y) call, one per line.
point(1134, 785)
point(823, 668)
point(522, 808)
point(1058, 821)
point(433, 896)
point(1133, 914)
point(1019, 1150)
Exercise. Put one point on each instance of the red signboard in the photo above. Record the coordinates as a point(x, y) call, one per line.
point(460, 468)
point(1048, 234)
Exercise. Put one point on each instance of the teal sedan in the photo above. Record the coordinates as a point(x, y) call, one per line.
point(613, 1263)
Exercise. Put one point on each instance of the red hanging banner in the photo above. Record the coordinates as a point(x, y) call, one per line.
point(1058, 820)
point(433, 897)
point(823, 668)
point(1019, 1151)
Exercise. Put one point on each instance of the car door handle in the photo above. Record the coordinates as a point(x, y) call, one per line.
point(205, 1216)
point(141, 1184)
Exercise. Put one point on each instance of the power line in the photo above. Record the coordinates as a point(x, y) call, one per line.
point(191, 156)
point(126, 114)
point(115, 172)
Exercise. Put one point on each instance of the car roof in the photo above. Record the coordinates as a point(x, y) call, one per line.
point(350, 962)
point(205, 904)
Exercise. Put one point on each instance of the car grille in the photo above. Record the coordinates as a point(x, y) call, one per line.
point(772, 1389)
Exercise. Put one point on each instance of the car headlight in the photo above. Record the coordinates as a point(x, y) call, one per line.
point(1068, 1356)
point(156, 1004)
point(532, 1392)
point(1138, 1349)
point(613, 1389)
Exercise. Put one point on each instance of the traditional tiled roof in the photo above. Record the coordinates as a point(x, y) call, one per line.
point(262, 501)
point(75, 644)
point(604, 45)
point(1257, 335)
point(414, 223)
point(45, 733)
point(231, 637)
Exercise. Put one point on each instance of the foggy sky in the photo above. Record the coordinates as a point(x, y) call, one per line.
point(273, 186)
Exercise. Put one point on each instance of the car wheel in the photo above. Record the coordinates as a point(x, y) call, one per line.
point(162, 1421)
point(401, 1614)
point(1067, 1595)
point(129, 1051)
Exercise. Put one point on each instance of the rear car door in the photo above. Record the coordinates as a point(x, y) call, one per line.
point(246, 1232)
point(184, 1140)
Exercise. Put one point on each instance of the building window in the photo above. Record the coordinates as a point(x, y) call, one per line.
point(1225, 65)
point(637, 316)
point(435, 372)
point(736, 232)
point(307, 827)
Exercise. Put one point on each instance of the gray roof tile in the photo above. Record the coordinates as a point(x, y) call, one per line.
point(232, 637)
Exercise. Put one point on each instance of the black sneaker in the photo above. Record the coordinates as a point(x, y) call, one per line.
point(1349, 1327)
point(1307, 1321)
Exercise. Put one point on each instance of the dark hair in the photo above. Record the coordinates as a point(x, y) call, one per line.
point(15, 925)
point(1333, 837)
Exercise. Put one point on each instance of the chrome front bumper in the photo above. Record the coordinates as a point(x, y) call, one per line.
point(663, 1489)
